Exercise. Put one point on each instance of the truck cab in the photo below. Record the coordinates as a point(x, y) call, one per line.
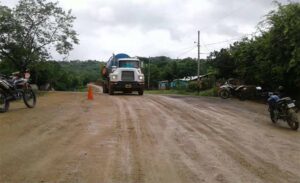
point(123, 73)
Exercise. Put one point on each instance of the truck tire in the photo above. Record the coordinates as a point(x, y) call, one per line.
point(111, 90)
point(105, 89)
point(141, 92)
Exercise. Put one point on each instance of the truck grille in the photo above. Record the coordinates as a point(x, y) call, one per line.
point(127, 76)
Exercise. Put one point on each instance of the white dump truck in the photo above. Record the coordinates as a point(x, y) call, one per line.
point(123, 73)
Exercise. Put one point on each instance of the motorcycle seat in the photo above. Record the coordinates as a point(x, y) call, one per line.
point(20, 81)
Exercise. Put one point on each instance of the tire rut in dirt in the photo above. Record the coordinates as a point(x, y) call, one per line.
point(266, 171)
point(127, 162)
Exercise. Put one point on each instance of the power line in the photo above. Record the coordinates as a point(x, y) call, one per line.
point(209, 44)
point(215, 22)
point(187, 51)
point(220, 42)
point(204, 44)
point(229, 40)
point(184, 49)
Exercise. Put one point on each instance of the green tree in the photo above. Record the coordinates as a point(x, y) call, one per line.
point(224, 62)
point(283, 36)
point(270, 59)
point(31, 28)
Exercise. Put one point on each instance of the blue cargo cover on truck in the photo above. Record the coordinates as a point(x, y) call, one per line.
point(113, 59)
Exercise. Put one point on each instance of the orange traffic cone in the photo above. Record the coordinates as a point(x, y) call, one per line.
point(90, 93)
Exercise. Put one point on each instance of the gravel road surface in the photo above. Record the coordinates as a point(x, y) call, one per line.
point(150, 138)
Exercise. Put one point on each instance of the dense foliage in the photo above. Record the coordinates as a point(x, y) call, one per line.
point(270, 59)
point(165, 68)
point(61, 75)
point(73, 75)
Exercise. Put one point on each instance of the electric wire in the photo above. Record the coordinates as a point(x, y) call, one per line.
point(229, 40)
point(185, 52)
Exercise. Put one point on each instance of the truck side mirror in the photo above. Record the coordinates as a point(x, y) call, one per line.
point(142, 64)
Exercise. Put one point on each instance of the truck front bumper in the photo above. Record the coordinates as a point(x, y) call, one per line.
point(127, 86)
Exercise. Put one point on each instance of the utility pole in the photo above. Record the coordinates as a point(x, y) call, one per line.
point(198, 73)
point(148, 73)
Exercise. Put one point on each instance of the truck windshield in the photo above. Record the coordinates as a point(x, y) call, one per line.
point(129, 64)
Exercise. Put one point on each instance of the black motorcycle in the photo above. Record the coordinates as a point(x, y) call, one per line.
point(283, 108)
point(16, 87)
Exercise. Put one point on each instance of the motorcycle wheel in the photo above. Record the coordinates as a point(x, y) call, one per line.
point(4, 103)
point(273, 116)
point(224, 94)
point(29, 98)
point(293, 121)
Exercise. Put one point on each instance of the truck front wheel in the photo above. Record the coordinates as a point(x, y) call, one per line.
point(141, 92)
point(111, 90)
point(105, 89)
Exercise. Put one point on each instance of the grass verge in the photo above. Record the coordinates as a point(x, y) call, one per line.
point(210, 92)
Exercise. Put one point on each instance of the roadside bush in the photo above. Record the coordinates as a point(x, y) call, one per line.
point(213, 92)
point(192, 86)
point(206, 83)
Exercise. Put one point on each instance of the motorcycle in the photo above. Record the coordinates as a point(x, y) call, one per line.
point(253, 92)
point(229, 89)
point(283, 108)
point(16, 87)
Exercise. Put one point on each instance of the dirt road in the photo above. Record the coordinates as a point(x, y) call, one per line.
point(150, 138)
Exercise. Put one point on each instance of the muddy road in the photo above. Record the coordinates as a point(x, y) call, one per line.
point(150, 138)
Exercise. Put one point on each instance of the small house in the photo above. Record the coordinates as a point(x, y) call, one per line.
point(179, 83)
point(163, 85)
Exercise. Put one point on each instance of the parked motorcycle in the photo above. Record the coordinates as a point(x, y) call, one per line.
point(253, 92)
point(16, 87)
point(227, 90)
point(283, 108)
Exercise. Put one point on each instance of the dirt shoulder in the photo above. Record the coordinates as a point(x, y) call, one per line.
point(150, 138)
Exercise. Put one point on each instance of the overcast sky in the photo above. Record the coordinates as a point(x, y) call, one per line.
point(159, 27)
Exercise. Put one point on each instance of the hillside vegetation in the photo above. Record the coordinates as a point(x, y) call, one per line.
point(270, 58)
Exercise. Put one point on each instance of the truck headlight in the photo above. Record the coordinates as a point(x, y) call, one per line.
point(141, 77)
point(114, 77)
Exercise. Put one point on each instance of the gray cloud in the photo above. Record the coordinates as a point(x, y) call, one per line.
point(149, 28)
